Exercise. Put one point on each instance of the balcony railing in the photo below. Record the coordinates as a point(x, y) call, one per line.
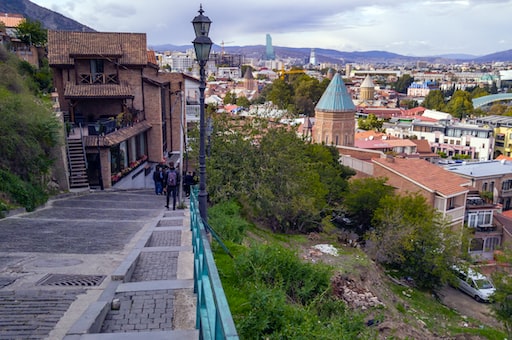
point(97, 78)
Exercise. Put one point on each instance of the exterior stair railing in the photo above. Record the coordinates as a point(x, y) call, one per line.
point(213, 320)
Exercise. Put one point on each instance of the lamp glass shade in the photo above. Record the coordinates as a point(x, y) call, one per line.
point(201, 24)
point(202, 46)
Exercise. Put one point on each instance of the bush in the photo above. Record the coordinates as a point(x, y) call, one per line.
point(277, 267)
point(226, 221)
point(23, 193)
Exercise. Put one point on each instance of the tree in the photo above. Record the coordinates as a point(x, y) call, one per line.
point(370, 123)
point(478, 92)
point(31, 32)
point(460, 105)
point(502, 298)
point(243, 101)
point(409, 103)
point(230, 98)
point(434, 100)
point(362, 199)
point(307, 92)
point(413, 238)
point(280, 94)
point(403, 83)
point(282, 182)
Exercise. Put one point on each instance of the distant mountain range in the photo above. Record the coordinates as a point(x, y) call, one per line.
point(56, 21)
point(49, 19)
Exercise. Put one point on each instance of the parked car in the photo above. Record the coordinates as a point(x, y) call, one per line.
point(474, 284)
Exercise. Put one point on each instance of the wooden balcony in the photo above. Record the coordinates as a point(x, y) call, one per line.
point(97, 78)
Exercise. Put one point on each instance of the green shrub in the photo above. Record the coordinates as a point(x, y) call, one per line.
point(23, 193)
point(226, 221)
point(278, 267)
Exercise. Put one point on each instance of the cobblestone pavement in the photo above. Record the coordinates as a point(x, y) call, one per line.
point(32, 314)
point(141, 311)
point(81, 234)
point(151, 266)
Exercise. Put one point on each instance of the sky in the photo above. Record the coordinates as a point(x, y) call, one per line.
point(407, 27)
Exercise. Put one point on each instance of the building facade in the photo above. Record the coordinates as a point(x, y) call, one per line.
point(110, 90)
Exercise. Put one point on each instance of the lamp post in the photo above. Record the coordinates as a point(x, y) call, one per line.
point(98, 128)
point(202, 45)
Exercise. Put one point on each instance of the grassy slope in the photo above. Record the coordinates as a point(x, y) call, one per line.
point(408, 313)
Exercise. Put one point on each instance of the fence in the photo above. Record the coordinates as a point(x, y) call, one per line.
point(213, 319)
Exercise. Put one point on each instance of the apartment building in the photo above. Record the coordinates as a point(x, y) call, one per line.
point(447, 135)
point(494, 177)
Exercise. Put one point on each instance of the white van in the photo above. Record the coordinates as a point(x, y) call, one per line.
point(474, 284)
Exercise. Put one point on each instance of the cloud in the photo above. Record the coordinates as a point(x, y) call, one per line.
point(400, 26)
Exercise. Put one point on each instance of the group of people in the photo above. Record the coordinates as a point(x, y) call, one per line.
point(167, 181)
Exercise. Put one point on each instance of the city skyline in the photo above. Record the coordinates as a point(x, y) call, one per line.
point(429, 28)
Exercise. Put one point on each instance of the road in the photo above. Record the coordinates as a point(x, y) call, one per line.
point(466, 305)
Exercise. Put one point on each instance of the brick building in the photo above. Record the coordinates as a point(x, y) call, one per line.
point(110, 89)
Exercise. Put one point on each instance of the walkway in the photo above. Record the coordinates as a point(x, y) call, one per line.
point(101, 265)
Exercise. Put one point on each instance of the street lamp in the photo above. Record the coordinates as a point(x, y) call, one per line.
point(202, 46)
point(98, 128)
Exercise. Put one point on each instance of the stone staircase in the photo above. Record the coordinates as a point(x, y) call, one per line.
point(77, 164)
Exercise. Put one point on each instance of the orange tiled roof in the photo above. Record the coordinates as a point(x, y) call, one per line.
point(73, 91)
point(63, 46)
point(423, 146)
point(370, 133)
point(11, 20)
point(416, 111)
point(427, 175)
point(500, 157)
point(152, 57)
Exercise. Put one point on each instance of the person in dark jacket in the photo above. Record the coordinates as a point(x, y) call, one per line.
point(158, 178)
point(188, 180)
point(172, 179)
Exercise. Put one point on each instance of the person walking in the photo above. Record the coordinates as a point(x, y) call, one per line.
point(158, 177)
point(188, 180)
point(172, 179)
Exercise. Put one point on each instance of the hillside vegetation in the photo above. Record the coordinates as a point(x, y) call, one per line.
point(282, 287)
point(29, 131)
point(284, 197)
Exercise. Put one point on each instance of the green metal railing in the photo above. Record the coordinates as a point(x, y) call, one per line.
point(213, 319)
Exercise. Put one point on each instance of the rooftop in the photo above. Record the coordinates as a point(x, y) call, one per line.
point(431, 177)
point(336, 97)
point(481, 169)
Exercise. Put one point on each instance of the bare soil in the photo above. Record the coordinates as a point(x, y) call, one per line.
point(365, 276)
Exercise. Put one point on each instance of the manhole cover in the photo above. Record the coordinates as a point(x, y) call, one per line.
point(71, 280)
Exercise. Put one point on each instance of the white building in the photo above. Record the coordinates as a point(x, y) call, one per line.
point(446, 135)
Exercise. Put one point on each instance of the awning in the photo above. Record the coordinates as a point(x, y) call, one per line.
point(118, 136)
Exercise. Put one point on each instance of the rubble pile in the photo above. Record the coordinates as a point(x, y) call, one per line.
point(355, 296)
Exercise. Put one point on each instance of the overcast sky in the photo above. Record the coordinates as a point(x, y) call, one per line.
point(408, 27)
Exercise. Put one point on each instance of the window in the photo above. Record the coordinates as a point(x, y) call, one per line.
point(451, 203)
point(477, 244)
point(97, 66)
point(491, 243)
point(484, 186)
point(506, 185)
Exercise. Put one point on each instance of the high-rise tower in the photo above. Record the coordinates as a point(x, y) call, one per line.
point(269, 53)
point(312, 57)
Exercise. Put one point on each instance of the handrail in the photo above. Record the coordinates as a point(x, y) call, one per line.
point(213, 317)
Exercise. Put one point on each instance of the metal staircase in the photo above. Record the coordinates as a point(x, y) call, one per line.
point(77, 164)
